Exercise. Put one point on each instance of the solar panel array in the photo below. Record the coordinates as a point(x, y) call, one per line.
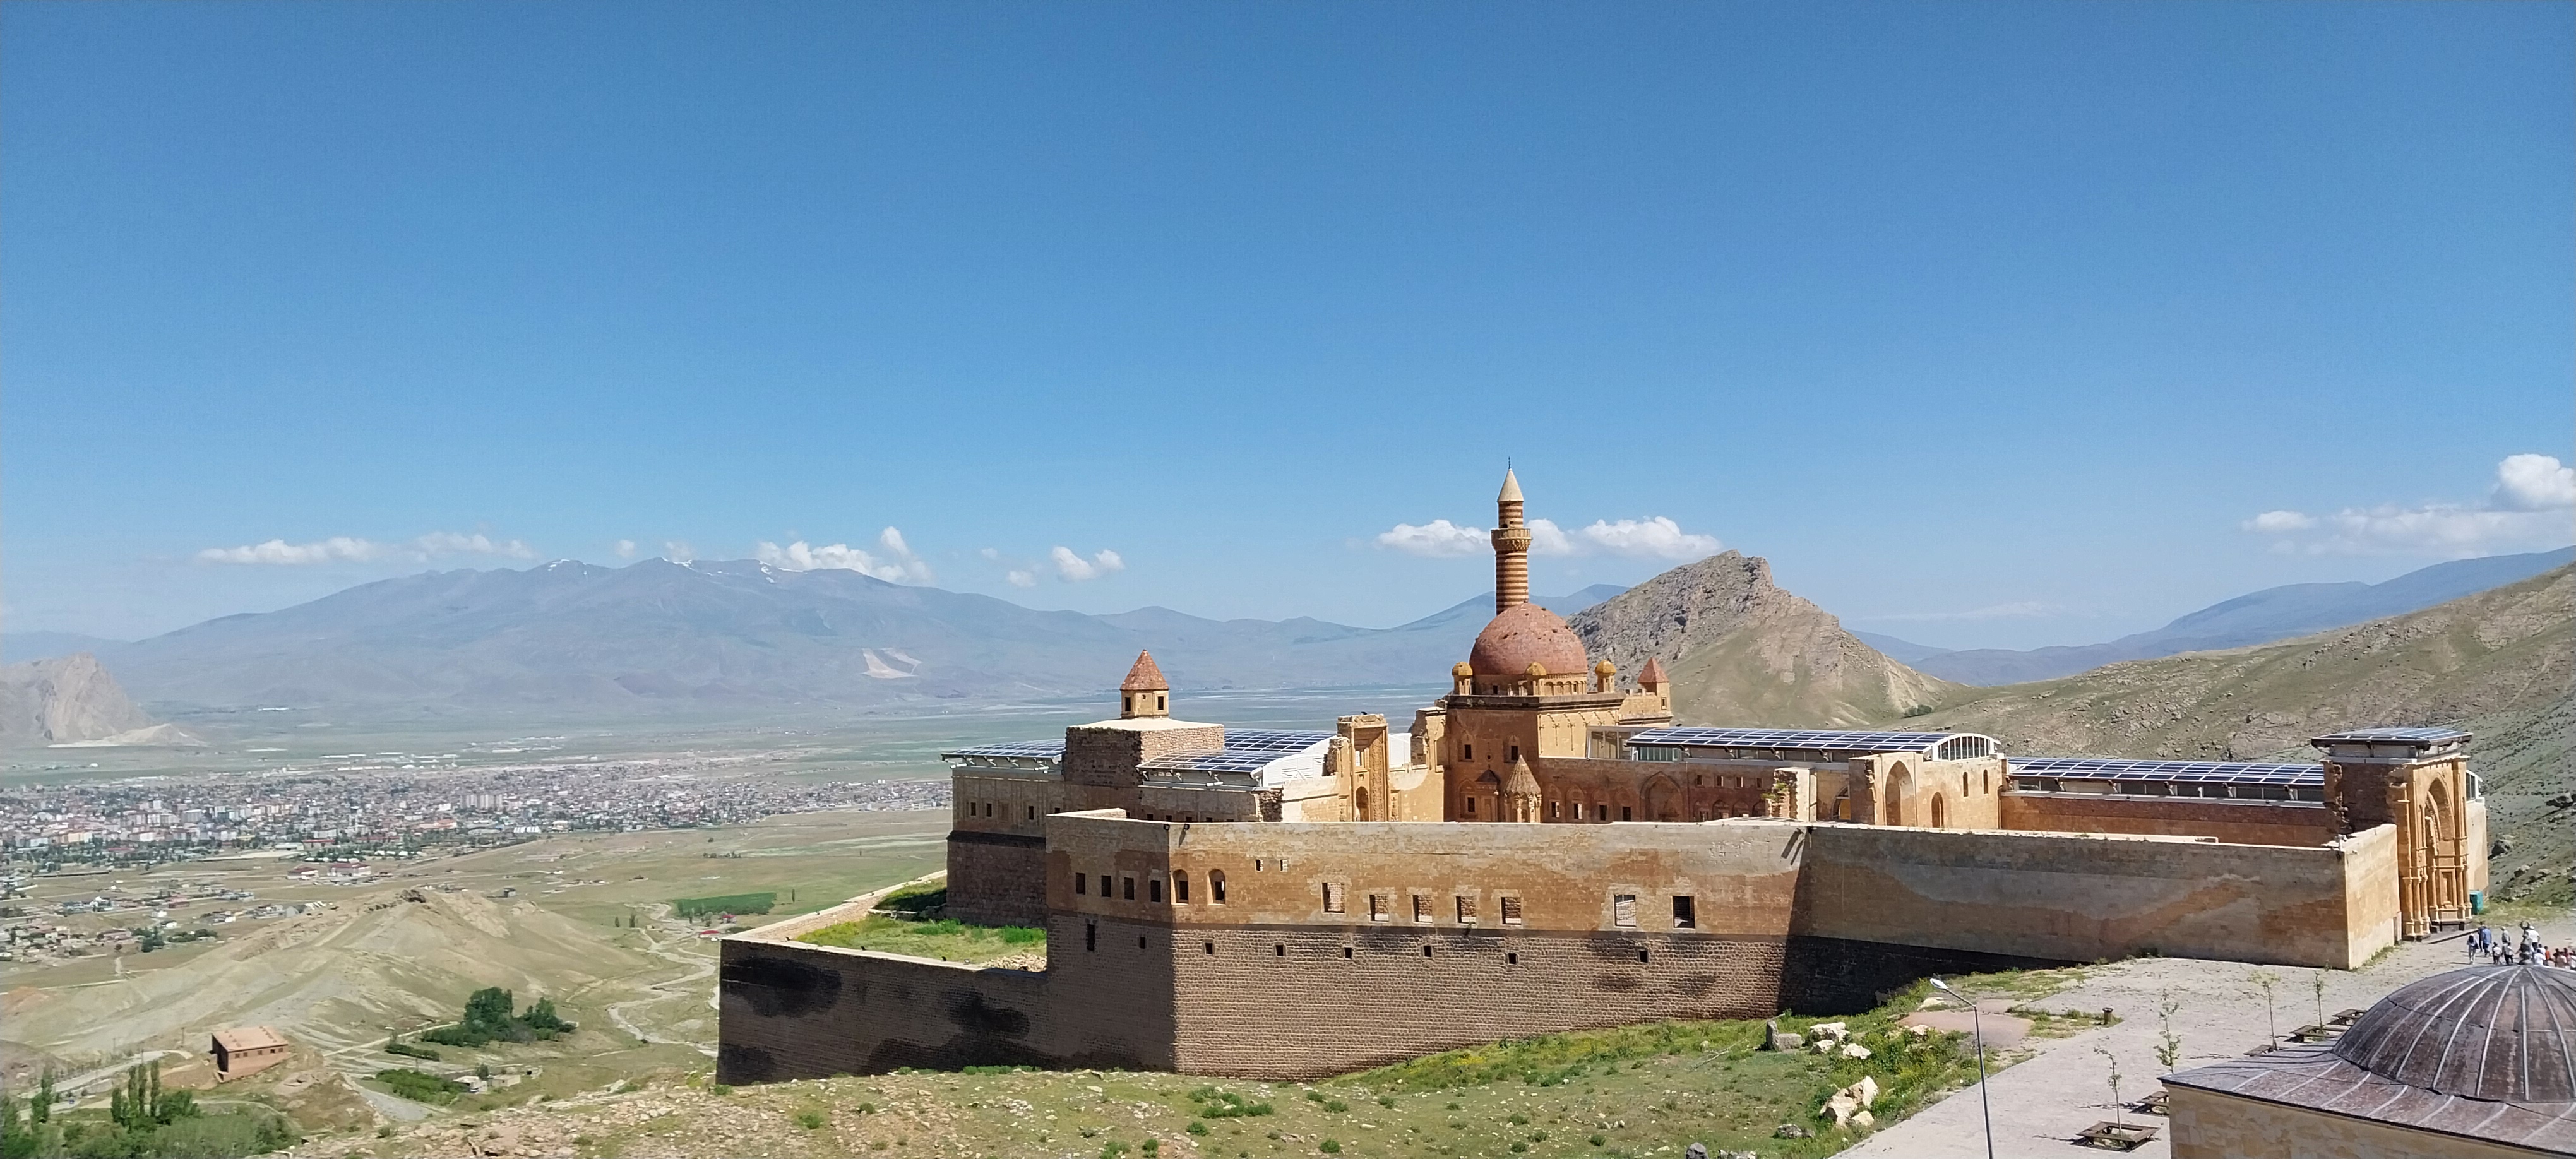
point(1212, 762)
point(1818, 740)
point(2402, 735)
point(1045, 750)
point(1246, 750)
point(2123, 769)
point(1272, 740)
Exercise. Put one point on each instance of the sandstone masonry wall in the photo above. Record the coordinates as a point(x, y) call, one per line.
point(2237, 822)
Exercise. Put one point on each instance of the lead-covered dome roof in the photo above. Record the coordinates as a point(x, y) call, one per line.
point(2503, 1033)
point(1526, 634)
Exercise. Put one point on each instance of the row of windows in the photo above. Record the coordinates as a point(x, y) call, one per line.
point(1126, 887)
point(1425, 908)
point(1091, 944)
point(989, 809)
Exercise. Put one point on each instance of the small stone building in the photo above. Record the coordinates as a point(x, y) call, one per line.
point(2476, 1062)
point(247, 1050)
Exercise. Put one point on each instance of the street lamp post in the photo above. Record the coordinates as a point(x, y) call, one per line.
point(1977, 1022)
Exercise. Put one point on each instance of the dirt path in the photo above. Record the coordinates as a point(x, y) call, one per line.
point(78, 1081)
point(700, 967)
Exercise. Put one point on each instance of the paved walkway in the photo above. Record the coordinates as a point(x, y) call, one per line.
point(2040, 1103)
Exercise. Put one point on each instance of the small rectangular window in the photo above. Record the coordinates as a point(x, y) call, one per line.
point(1377, 907)
point(1081, 883)
point(1033, 813)
point(1127, 887)
point(1180, 887)
point(1216, 886)
point(1090, 936)
point(1601, 812)
point(1516, 753)
point(1623, 909)
point(1466, 752)
point(1471, 806)
point(1154, 889)
point(1625, 814)
point(1333, 900)
point(1511, 911)
point(1421, 907)
point(1466, 911)
point(1685, 913)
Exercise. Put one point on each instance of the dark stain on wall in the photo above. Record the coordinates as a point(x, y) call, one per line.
point(782, 987)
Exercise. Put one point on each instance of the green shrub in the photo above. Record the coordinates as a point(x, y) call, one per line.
point(1196, 1128)
point(810, 1120)
point(407, 1050)
point(1330, 1147)
point(419, 1087)
point(732, 903)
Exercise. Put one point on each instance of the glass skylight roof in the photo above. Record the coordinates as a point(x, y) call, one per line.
point(2428, 736)
point(1814, 740)
point(2123, 769)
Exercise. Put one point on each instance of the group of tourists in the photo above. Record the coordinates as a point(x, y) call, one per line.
point(2528, 950)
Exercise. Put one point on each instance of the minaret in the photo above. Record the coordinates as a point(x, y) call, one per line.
point(1511, 548)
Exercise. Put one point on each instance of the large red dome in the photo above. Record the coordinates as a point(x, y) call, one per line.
point(1523, 635)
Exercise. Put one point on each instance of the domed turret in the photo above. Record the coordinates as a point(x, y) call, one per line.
point(2487, 1032)
point(1526, 634)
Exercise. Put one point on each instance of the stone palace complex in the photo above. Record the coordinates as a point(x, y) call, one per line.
point(1545, 850)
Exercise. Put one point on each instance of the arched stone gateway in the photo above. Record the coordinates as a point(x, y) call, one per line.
point(1663, 799)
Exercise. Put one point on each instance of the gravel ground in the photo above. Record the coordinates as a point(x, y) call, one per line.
point(2040, 1104)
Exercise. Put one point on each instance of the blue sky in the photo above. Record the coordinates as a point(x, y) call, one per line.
point(1987, 324)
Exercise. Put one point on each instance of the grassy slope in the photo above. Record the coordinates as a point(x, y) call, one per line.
point(1632, 1091)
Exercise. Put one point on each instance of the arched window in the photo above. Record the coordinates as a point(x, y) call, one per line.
point(1216, 886)
point(1180, 886)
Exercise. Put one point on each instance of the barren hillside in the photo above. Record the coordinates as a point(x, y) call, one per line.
point(62, 700)
point(1742, 651)
point(2502, 651)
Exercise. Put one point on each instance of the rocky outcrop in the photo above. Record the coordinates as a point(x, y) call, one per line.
point(63, 700)
point(1742, 651)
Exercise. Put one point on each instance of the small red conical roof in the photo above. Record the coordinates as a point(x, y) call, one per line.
point(1144, 677)
point(1652, 673)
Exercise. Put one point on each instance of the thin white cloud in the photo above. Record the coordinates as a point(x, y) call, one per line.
point(893, 561)
point(2528, 508)
point(453, 543)
point(2281, 521)
point(1020, 578)
point(1073, 568)
point(1655, 537)
point(337, 549)
point(350, 549)
point(625, 549)
point(1435, 539)
point(678, 550)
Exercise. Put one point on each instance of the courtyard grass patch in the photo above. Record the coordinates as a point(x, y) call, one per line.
point(946, 939)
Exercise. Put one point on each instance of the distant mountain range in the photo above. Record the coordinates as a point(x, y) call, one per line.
point(2271, 614)
point(569, 636)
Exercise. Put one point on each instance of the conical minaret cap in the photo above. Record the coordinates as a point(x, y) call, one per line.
point(1145, 676)
point(1511, 488)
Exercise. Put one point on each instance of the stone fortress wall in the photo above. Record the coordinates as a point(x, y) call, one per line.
point(1397, 939)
